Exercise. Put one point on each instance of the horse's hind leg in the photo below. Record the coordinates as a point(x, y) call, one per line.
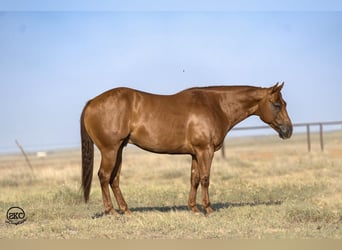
point(108, 161)
point(114, 182)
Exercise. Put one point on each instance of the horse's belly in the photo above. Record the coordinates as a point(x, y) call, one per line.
point(159, 140)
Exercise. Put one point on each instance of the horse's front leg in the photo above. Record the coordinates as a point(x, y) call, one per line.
point(204, 164)
point(194, 181)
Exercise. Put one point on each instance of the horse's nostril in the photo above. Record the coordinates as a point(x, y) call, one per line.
point(286, 131)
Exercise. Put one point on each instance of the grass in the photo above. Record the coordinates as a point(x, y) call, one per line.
point(265, 188)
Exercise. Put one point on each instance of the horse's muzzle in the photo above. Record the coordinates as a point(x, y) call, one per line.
point(285, 131)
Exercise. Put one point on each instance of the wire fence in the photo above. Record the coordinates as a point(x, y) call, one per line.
point(70, 155)
point(307, 126)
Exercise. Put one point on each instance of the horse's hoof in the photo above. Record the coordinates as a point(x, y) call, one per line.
point(128, 212)
point(195, 210)
point(110, 212)
point(209, 211)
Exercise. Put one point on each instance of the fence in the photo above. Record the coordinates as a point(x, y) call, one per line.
point(306, 125)
point(320, 125)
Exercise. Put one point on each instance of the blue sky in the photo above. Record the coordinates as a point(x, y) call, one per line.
point(52, 62)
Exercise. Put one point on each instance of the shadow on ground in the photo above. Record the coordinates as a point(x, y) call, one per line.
point(216, 207)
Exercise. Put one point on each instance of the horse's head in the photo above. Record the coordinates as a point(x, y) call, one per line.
point(272, 110)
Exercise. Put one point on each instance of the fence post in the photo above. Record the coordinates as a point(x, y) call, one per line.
point(222, 151)
point(308, 137)
point(25, 155)
point(321, 136)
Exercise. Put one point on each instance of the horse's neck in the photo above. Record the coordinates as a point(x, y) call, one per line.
point(241, 103)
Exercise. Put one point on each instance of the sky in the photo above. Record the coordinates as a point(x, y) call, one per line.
point(53, 60)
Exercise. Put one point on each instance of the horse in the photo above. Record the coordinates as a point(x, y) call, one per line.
point(194, 121)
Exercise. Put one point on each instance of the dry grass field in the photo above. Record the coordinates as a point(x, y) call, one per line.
point(265, 188)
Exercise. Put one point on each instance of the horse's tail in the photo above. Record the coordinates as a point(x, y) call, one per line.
point(87, 159)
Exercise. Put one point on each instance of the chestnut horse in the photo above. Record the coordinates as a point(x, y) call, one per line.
point(194, 121)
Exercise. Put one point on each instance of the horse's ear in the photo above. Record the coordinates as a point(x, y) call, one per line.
point(277, 87)
point(280, 87)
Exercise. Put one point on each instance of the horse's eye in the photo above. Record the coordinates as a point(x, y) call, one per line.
point(277, 105)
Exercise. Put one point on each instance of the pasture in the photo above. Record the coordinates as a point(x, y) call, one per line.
point(265, 188)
